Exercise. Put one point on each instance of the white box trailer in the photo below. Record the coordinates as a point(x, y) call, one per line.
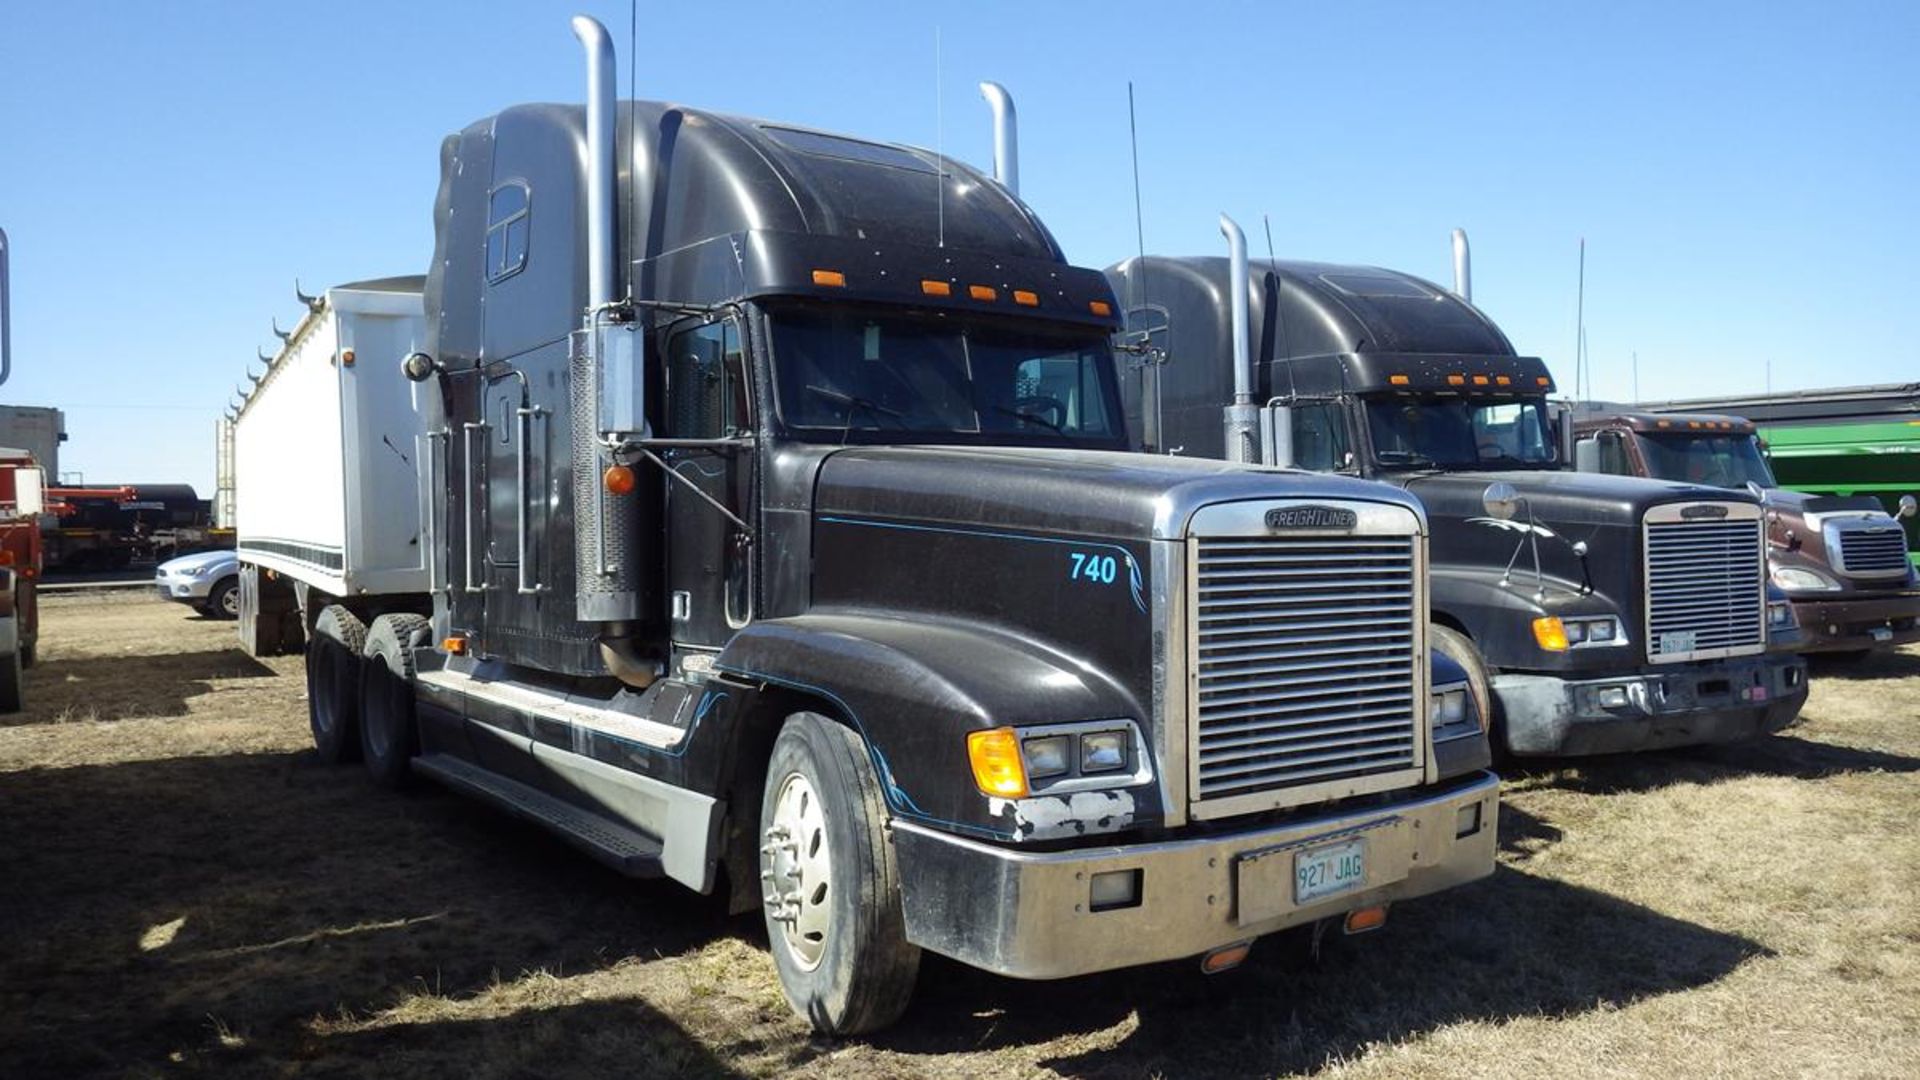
point(326, 451)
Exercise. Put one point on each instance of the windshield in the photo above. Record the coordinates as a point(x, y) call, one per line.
point(1723, 460)
point(1457, 433)
point(853, 372)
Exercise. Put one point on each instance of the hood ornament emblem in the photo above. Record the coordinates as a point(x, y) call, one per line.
point(1282, 518)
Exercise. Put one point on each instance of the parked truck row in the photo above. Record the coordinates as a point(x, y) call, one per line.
point(779, 512)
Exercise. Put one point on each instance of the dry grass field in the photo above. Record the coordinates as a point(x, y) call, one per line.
point(184, 891)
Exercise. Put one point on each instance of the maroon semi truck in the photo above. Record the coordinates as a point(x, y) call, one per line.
point(1842, 561)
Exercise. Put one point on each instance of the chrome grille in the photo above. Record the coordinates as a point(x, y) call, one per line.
point(1305, 661)
point(1872, 553)
point(1705, 591)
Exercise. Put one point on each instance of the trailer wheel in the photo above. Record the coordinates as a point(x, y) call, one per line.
point(224, 601)
point(830, 884)
point(10, 679)
point(333, 683)
point(388, 739)
point(1459, 648)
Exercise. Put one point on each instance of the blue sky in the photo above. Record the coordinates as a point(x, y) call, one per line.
point(1746, 176)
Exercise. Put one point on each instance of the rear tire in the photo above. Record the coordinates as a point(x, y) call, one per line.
point(333, 684)
point(832, 900)
point(388, 738)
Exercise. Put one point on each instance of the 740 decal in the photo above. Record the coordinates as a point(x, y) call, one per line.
point(1099, 569)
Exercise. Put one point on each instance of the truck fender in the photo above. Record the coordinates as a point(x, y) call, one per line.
point(913, 689)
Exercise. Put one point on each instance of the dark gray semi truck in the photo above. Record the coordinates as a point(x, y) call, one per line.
point(786, 543)
point(1598, 613)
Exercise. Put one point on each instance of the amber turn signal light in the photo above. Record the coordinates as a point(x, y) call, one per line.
point(618, 480)
point(456, 645)
point(1550, 633)
point(1225, 957)
point(1361, 920)
point(997, 766)
point(1100, 307)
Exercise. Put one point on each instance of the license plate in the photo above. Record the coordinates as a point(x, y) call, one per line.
point(1329, 870)
point(1882, 633)
point(1677, 641)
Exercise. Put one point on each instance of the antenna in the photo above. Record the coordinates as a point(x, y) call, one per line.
point(1580, 326)
point(633, 139)
point(939, 135)
point(1636, 376)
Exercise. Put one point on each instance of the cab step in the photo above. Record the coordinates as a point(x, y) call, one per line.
point(626, 850)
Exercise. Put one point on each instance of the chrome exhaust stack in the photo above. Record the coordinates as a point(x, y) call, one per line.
point(1006, 136)
point(1242, 418)
point(1462, 267)
point(601, 106)
point(608, 403)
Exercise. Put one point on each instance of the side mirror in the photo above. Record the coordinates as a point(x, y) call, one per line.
point(419, 367)
point(1500, 500)
point(1908, 507)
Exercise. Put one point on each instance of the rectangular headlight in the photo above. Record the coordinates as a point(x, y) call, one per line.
point(1047, 756)
point(1103, 751)
point(1449, 708)
point(1601, 630)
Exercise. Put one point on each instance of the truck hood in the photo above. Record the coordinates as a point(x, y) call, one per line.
point(1111, 494)
point(1562, 497)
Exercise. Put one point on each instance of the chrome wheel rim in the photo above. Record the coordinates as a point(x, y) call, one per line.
point(796, 871)
point(230, 602)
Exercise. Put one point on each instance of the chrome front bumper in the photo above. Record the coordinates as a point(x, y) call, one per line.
point(1030, 914)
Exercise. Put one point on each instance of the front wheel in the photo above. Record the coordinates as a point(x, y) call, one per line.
point(224, 601)
point(830, 882)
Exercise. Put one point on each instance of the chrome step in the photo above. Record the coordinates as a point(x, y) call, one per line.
point(626, 850)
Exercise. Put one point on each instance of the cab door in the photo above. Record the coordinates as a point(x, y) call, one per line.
point(708, 447)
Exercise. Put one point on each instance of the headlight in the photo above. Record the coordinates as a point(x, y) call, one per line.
point(1449, 708)
point(200, 571)
point(1103, 751)
point(1047, 756)
point(1780, 615)
point(1076, 756)
point(1801, 579)
point(1560, 633)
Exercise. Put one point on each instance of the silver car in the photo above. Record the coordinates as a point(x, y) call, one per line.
point(209, 580)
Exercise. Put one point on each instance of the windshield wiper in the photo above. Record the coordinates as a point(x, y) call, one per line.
point(1032, 418)
point(854, 403)
point(1403, 457)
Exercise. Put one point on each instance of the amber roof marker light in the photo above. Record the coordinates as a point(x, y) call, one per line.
point(830, 278)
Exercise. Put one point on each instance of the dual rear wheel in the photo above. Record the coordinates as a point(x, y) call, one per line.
point(360, 691)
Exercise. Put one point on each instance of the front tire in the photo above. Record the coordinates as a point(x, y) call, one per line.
point(830, 882)
point(333, 684)
point(224, 601)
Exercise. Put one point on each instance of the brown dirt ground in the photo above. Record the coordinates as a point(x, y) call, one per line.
point(184, 890)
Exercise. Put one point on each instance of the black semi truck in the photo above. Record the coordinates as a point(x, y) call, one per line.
point(1599, 613)
point(786, 540)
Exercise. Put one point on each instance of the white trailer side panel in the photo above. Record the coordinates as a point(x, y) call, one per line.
point(326, 487)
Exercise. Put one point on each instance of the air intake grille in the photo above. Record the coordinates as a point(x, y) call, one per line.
point(1305, 661)
point(1704, 591)
point(1863, 552)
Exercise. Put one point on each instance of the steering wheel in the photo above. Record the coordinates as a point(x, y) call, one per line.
point(1043, 405)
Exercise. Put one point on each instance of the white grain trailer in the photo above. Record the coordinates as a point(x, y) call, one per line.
point(327, 445)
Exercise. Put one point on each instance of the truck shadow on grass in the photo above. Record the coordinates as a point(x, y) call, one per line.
point(1882, 664)
point(1783, 755)
point(113, 687)
point(213, 909)
point(1514, 945)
